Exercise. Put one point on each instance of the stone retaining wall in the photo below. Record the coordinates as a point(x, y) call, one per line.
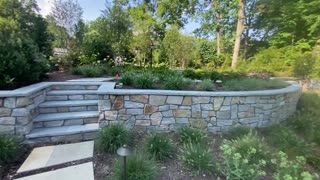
point(16, 113)
point(215, 113)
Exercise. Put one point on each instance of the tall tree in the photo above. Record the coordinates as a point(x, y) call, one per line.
point(66, 14)
point(240, 26)
point(216, 19)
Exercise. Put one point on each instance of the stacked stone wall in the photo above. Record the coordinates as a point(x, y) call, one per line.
point(212, 113)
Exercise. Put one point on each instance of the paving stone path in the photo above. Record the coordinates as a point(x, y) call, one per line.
point(48, 156)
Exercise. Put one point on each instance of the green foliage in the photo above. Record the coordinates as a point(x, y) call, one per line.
point(112, 137)
point(145, 80)
point(238, 132)
point(175, 82)
point(306, 119)
point(9, 149)
point(304, 65)
point(24, 44)
point(192, 135)
point(284, 139)
point(138, 167)
point(128, 77)
point(286, 169)
point(199, 159)
point(252, 84)
point(237, 166)
point(249, 141)
point(189, 73)
point(206, 85)
point(159, 146)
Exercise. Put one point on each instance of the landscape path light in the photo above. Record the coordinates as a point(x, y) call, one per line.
point(124, 151)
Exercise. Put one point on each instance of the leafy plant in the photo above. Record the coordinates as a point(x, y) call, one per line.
point(238, 132)
point(249, 141)
point(175, 82)
point(198, 158)
point(286, 169)
point(128, 78)
point(206, 85)
point(189, 73)
point(237, 166)
point(192, 135)
point(144, 80)
point(159, 146)
point(112, 137)
point(9, 149)
point(138, 167)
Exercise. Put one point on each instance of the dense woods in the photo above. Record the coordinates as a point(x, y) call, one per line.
point(275, 36)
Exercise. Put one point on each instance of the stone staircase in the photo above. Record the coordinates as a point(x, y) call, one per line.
point(69, 114)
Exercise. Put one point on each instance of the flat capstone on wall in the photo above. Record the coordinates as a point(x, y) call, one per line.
point(212, 113)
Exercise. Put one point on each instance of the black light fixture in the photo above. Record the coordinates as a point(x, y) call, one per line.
point(124, 151)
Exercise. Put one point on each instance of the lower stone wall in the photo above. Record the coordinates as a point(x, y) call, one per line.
point(16, 113)
point(213, 113)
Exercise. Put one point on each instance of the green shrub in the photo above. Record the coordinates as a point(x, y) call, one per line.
point(237, 166)
point(145, 80)
point(139, 166)
point(306, 119)
point(286, 169)
point(112, 137)
point(285, 139)
point(198, 159)
point(249, 141)
point(304, 65)
point(9, 149)
point(238, 132)
point(128, 78)
point(159, 146)
point(206, 85)
point(192, 135)
point(214, 75)
point(189, 73)
point(251, 84)
point(175, 83)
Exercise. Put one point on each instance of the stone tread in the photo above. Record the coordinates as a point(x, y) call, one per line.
point(71, 92)
point(62, 131)
point(64, 116)
point(69, 103)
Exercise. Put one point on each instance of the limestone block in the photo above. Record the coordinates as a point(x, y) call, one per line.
point(223, 114)
point(7, 120)
point(142, 122)
point(139, 98)
point(156, 118)
point(174, 100)
point(217, 102)
point(167, 113)
point(10, 102)
point(130, 104)
point(134, 111)
point(111, 115)
point(20, 112)
point(149, 109)
point(200, 100)
point(207, 107)
point(5, 112)
point(157, 100)
point(167, 120)
point(180, 113)
point(23, 101)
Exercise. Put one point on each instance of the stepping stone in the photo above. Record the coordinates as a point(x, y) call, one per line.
point(77, 172)
point(54, 155)
point(91, 80)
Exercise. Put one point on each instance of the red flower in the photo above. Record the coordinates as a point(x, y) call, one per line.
point(117, 77)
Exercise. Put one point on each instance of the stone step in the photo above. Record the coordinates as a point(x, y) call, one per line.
point(68, 106)
point(65, 116)
point(72, 95)
point(71, 92)
point(68, 103)
point(74, 133)
point(75, 87)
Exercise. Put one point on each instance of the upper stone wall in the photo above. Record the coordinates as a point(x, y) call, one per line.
point(212, 111)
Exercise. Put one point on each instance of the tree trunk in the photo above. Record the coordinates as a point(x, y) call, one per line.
point(238, 34)
point(246, 44)
point(218, 17)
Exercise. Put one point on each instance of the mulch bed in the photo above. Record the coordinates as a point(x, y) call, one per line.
point(171, 169)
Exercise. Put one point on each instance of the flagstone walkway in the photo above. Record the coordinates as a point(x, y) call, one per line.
point(49, 156)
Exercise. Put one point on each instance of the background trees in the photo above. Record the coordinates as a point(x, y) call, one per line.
point(256, 35)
